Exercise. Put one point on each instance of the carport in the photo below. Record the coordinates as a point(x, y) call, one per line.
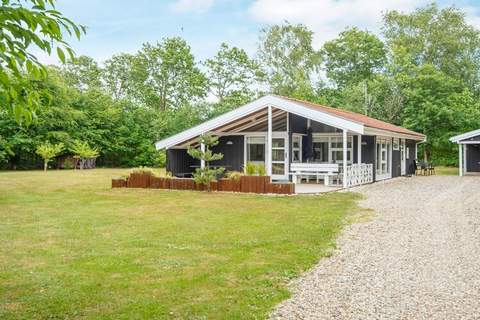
point(468, 152)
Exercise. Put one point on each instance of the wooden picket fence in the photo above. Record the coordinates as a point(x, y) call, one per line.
point(246, 184)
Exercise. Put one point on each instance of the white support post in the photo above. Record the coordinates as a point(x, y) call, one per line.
point(268, 154)
point(345, 149)
point(464, 159)
point(202, 162)
point(359, 149)
point(460, 160)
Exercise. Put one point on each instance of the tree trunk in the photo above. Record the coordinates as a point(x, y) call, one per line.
point(45, 165)
point(425, 154)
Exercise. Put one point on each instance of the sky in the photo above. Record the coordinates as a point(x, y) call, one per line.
point(116, 26)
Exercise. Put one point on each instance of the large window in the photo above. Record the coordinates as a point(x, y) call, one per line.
point(330, 149)
point(256, 149)
point(320, 149)
point(336, 149)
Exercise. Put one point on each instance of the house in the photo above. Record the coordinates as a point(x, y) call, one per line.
point(468, 152)
point(293, 138)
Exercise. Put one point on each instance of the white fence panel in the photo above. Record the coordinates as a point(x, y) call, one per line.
point(358, 174)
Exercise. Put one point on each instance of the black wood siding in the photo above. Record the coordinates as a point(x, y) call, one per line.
point(298, 124)
point(232, 153)
point(180, 162)
point(473, 157)
point(368, 151)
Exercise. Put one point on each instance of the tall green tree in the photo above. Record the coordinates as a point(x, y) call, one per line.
point(292, 64)
point(117, 75)
point(354, 56)
point(440, 107)
point(437, 37)
point(233, 77)
point(82, 73)
point(167, 75)
point(24, 24)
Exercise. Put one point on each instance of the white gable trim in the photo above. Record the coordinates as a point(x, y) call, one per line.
point(257, 105)
point(387, 133)
point(464, 136)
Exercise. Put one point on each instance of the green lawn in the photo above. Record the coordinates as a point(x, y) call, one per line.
point(446, 171)
point(71, 247)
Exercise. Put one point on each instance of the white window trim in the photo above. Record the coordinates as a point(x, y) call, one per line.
point(387, 175)
point(329, 137)
point(299, 149)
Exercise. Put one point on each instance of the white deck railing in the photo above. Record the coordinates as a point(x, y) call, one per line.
point(358, 174)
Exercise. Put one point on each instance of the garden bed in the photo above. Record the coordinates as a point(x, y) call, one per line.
point(246, 184)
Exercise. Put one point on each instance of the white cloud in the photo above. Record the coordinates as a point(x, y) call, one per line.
point(329, 17)
point(191, 5)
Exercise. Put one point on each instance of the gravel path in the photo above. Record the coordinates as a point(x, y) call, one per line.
point(417, 257)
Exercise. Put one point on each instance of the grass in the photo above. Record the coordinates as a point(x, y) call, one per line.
point(72, 247)
point(446, 171)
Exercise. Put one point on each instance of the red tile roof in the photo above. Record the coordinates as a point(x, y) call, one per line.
point(357, 117)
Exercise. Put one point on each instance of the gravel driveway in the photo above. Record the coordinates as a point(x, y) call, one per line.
point(417, 257)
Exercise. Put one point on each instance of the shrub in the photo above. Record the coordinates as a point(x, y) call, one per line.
point(206, 174)
point(143, 170)
point(49, 151)
point(234, 175)
point(250, 169)
point(261, 170)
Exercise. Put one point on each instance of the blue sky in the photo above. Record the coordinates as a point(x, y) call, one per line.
point(116, 26)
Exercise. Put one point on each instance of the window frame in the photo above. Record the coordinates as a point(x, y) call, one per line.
point(299, 148)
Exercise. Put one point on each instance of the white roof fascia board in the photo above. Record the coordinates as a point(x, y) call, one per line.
point(212, 124)
point(316, 115)
point(465, 136)
point(256, 105)
point(387, 133)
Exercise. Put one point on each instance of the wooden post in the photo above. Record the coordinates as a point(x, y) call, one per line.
point(345, 158)
point(359, 149)
point(268, 154)
point(460, 159)
point(464, 159)
point(202, 162)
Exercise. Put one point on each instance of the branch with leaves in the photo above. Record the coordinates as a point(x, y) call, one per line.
point(23, 24)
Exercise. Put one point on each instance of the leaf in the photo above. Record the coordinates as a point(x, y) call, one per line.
point(61, 54)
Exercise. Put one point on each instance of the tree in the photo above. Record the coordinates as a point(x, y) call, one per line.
point(206, 174)
point(354, 56)
point(291, 62)
point(439, 38)
point(82, 73)
point(83, 151)
point(167, 76)
point(23, 24)
point(49, 151)
point(232, 75)
point(117, 75)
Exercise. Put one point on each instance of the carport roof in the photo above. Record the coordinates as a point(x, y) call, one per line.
point(465, 136)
